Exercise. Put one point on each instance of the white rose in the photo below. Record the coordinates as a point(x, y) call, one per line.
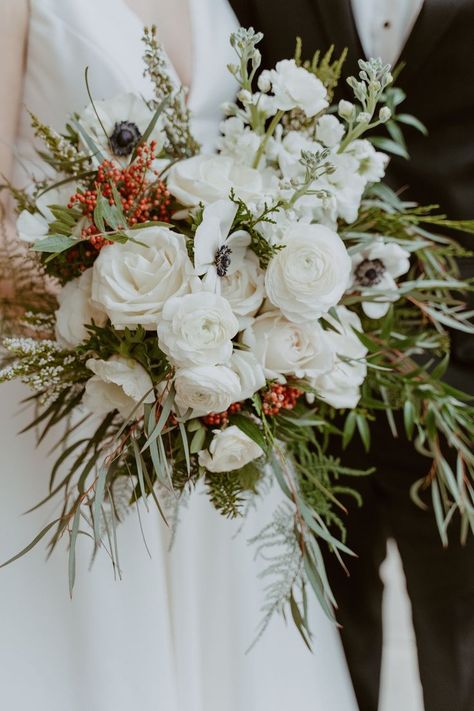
point(340, 387)
point(310, 274)
point(207, 178)
point(375, 267)
point(125, 119)
point(32, 227)
point(250, 373)
point(244, 289)
point(118, 384)
point(286, 348)
point(329, 130)
point(230, 449)
point(197, 329)
point(206, 389)
point(76, 311)
point(132, 282)
point(295, 87)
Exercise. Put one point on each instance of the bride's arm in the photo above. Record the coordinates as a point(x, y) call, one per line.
point(13, 34)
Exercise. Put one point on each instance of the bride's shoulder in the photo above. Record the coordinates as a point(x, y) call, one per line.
point(14, 14)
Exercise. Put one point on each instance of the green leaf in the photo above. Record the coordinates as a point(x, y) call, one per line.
point(98, 500)
point(54, 244)
point(250, 428)
point(151, 126)
point(72, 548)
point(197, 442)
point(410, 120)
point(349, 428)
point(409, 418)
point(364, 431)
point(386, 144)
point(33, 543)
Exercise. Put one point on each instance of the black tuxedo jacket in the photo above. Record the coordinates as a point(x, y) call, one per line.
point(438, 80)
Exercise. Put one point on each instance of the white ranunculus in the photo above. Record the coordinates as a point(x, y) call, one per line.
point(118, 384)
point(250, 373)
point(207, 178)
point(131, 282)
point(230, 449)
point(197, 329)
point(244, 289)
point(206, 389)
point(76, 311)
point(296, 88)
point(374, 270)
point(310, 274)
point(32, 227)
point(329, 130)
point(285, 348)
point(125, 119)
point(216, 252)
point(372, 163)
point(340, 387)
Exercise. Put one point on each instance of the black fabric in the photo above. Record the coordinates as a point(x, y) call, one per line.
point(438, 80)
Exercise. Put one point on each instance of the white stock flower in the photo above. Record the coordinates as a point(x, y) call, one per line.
point(238, 141)
point(340, 387)
point(206, 389)
point(345, 184)
point(374, 270)
point(287, 152)
point(295, 88)
point(131, 281)
point(76, 311)
point(32, 227)
point(197, 329)
point(207, 178)
point(118, 384)
point(329, 130)
point(230, 449)
point(216, 252)
point(249, 371)
point(286, 348)
point(372, 163)
point(310, 274)
point(244, 289)
point(125, 119)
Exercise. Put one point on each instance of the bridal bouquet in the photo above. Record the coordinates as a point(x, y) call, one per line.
point(205, 317)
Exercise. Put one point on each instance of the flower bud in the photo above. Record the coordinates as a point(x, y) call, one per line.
point(384, 114)
point(363, 117)
point(244, 96)
point(264, 83)
point(346, 109)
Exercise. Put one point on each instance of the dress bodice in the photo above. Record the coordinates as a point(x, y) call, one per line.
point(66, 36)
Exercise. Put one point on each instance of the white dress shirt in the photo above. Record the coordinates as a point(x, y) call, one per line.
point(385, 25)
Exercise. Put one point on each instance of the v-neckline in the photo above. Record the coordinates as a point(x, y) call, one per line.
point(192, 23)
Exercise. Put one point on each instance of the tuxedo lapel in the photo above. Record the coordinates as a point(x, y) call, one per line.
point(433, 21)
point(338, 25)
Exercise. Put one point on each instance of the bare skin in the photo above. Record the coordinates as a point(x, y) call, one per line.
point(173, 20)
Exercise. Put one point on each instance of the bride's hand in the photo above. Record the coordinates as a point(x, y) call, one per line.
point(13, 32)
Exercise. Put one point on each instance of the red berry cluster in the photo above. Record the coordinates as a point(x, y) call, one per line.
point(280, 397)
point(142, 200)
point(219, 419)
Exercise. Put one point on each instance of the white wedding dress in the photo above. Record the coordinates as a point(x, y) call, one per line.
point(172, 635)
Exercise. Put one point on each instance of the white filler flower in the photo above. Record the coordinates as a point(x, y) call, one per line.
point(118, 384)
point(296, 88)
point(374, 270)
point(132, 282)
point(230, 449)
point(197, 329)
point(286, 348)
point(76, 311)
point(217, 253)
point(310, 274)
point(340, 387)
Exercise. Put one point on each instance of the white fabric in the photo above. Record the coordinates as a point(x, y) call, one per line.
point(172, 635)
point(385, 25)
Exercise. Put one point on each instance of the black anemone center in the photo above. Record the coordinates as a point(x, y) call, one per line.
point(124, 138)
point(370, 272)
point(222, 260)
